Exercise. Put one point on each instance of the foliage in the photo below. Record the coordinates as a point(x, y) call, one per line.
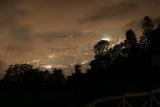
point(101, 47)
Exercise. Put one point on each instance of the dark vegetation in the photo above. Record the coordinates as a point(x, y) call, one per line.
point(130, 66)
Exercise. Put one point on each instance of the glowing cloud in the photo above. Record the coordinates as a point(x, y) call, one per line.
point(83, 62)
point(49, 66)
point(106, 37)
point(51, 56)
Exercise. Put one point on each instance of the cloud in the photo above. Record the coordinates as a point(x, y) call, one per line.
point(19, 40)
point(15, 38)
point(122, 10)
point(110, 12)
point(51, 36)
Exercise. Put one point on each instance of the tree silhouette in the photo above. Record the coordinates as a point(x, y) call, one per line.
point(15, 72)
point(78, 69)
point(154, 41)
point(24, 74)
point(101, 47)
point(131, 38)
point(147, 25)
point(56, 78)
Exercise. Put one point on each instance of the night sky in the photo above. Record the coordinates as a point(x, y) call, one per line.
point(61, 33)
